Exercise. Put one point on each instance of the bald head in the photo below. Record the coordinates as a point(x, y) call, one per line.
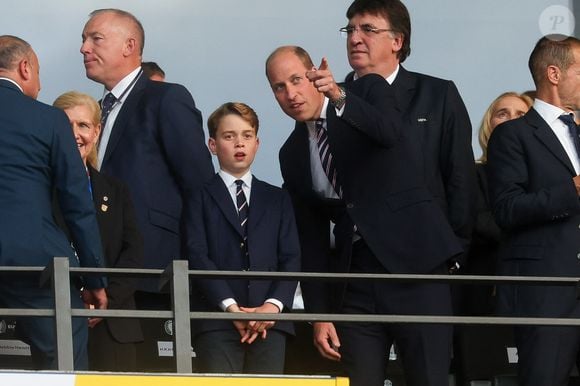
point(19, 63)
point(131, 22)
point(112, 46)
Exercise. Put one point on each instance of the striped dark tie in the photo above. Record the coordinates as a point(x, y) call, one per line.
point(568, 119)
point(326, 158)
point(242, 205)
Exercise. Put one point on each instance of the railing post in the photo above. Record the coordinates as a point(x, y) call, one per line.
point(60, 284)
point(181, 318)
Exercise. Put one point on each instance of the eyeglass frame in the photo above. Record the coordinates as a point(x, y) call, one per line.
point(365, 29)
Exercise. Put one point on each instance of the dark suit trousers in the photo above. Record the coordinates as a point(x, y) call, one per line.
point(39, 333)
point(106, 354)
point(546, 354)
point(425, 349)
point(221, 352)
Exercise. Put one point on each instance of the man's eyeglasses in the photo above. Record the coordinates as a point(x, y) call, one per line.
point(365, 29)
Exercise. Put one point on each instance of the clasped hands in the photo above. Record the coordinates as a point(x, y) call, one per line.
point(250, 330)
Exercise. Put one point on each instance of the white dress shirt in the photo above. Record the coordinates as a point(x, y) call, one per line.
point(121, 91)
point(550, 114)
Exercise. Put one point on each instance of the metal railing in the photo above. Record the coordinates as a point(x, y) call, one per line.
point(177, 277)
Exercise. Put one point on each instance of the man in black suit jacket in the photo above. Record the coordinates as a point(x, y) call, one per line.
point(152, 134)
point(386, 221)
point(39, 156)
point(378, 41)
point(534, 186)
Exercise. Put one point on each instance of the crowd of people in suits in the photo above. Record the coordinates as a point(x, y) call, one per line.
point(379, 177)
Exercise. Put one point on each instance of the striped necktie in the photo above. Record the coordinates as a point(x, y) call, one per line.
point(568, 119)
point(326, 158)
point(242, 205)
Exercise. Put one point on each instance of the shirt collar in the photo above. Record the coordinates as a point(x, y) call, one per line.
point(123, 84)
point(230, 180)
point(310, 124)
point(548, 112)
point(390, 79)
point(13, 82)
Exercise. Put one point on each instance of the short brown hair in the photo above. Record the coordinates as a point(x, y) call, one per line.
point(236, 108)
point(551, 50)
point(394, 11)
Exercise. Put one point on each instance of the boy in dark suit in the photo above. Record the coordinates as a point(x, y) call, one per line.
point(238, 222)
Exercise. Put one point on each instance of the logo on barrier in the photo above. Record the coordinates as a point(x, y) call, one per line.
point(168, 327)
point(2, 326)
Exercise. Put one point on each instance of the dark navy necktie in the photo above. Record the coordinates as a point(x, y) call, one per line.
point(326, 158)
point(106, 106)
point(242, 205)
point(568, 119)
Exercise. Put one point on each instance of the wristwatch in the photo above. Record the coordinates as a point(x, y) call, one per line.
point(338, 103)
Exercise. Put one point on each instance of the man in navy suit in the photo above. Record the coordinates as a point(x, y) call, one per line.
point(534, 186)
point(378, 37)
point(39, 156)
point(152, 137)
point(347, 161)
point(241, 223)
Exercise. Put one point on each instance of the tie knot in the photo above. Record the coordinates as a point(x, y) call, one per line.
point(568, 119)
point(239, 183)
point(319, 124)
point(108, 100)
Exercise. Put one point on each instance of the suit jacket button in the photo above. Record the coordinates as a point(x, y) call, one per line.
point(350, 205)
point(242, 245)
point(578, 256)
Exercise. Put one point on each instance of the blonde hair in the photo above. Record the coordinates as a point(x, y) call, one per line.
point(74, 98)
point(485, 128)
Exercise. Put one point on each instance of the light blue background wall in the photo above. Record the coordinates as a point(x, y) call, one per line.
point(217, 48)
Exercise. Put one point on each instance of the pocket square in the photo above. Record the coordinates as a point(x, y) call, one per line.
point(421, 119)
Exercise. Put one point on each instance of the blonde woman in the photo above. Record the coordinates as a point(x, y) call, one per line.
point(112, 340)
point(478, 300)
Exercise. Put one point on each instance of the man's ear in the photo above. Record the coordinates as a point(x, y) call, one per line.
point(130, 46)
point(24, 69)
point(211, 145)
point(397, 42)
point(553, 74)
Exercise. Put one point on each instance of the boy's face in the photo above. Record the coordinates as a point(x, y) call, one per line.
point(235, 145)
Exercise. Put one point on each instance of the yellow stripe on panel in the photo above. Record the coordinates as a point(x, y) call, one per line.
point(226, 380)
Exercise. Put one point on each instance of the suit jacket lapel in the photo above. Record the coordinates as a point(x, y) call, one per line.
point(404, 87)
point(546, 135)
point(258, 204)
point(219, 193)
point(127, 109)
point(299, 163)
point(100, 191)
